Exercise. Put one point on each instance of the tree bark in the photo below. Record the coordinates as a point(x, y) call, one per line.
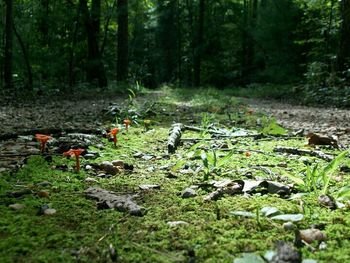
point(199, 44)
point(123, 46)
point(344, 49)
point(26, 59)
point(95, 68)
point(8, 45)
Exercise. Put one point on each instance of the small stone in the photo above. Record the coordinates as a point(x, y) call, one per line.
point(44, 184)
point(188, 192)
point(289, 226)
point(90, 180)
point(149, 186)
point(109, 168)
point(322, 246)
point(305, 160)
point(88, 167)
point(43, 194)
point(101, 175)
point(150, 169)
point(117, 163)
point(177, 223)
point(286, 253)
point(16, 206)
point(327, 201)
point(312, 234)
point(128, 167)
point(283, 165)
point(89, 156)
point(49, 212)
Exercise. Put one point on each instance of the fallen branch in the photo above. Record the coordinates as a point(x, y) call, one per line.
point(319, 154)
point(174, 137)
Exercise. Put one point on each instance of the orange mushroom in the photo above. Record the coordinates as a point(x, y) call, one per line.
point(42, 138)
point(127, 122)
point(248, 154)
point(76, 153)
point(114, 133)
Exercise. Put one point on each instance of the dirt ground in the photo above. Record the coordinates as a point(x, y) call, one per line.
point(330, 121)
point(86, 114)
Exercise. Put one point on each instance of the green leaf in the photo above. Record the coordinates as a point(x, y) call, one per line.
point(330, 168)
point(222, 161)
point(274, 128)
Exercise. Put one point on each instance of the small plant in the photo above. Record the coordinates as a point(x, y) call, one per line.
point(212, 163)
point(319, 178)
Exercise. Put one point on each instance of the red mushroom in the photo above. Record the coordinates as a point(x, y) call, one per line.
point(114, 133)
point(42, 138)
point(127, 122)
point(76, 153)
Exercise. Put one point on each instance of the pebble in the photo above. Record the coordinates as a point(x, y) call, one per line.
point(149, 186)
point(188, 192)
point(327, 201)
point(109, 168)
point(88, 167)
point(312, 234)
point(176, 223)
point(119, 163)
point(289, 226)
point(90, 180)
point(43, 194)
point(44, 184)
point(89, 156)
point(49, 212)
point(16, 206)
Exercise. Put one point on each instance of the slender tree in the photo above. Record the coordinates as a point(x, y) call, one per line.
point(26, 58)
point(95, 68)
point(123, 45)
point(344, 49)
point(8, 45)
point(199, 44)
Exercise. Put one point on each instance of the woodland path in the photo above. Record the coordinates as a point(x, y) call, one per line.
point(86, 114)
point(330, 121)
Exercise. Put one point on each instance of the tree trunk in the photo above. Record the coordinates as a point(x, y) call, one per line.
point(199, 45)
point(95, 68)
point(344, 49)
point(249, 24)
point(191, 46)
point(123, 46)
point(75, 26)
point(26, 59)
point(8, 45)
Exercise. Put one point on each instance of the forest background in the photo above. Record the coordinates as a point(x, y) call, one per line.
point(287, 48)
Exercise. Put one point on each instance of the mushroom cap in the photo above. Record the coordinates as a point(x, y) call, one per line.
point(74, 152)
point(127, 121)
point(42, 137)
point(114, 131)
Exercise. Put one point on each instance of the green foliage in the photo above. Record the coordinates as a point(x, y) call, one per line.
point(316, 178)
point(273, 128)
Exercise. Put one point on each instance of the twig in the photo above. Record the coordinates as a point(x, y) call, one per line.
point(174, 137)
point(290, 150)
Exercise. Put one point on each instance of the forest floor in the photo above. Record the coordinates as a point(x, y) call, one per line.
point(238, 188)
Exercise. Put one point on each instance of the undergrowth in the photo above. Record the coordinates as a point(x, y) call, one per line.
point(79, 232)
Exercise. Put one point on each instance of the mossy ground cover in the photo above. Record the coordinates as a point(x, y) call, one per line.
point(79, 232)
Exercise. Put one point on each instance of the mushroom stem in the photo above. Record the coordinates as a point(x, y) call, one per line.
point(77, 163)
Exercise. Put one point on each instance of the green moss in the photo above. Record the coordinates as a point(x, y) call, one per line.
point(81, 232)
